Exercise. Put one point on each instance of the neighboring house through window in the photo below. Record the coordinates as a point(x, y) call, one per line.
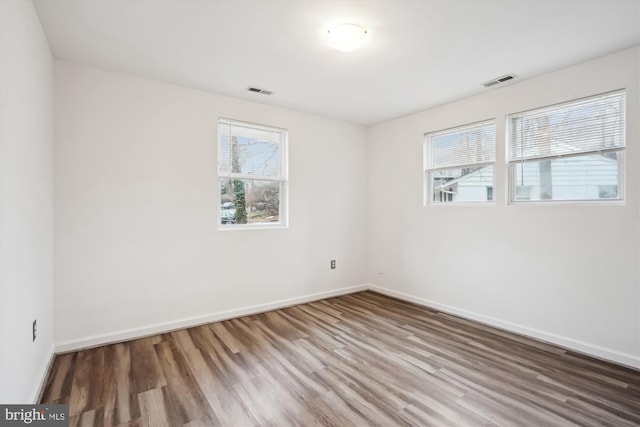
point(459, 164)
point(252, 175)
point(568, 152)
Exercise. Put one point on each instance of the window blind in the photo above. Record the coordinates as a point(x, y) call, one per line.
point(250, 150)
point(462, 146)
point(589, 125)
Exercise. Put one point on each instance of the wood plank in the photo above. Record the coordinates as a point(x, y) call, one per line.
point(226, 337)
point(61, 379)
point(125, 403)
point(145, 367)
point(184, 391)
point(153, 408)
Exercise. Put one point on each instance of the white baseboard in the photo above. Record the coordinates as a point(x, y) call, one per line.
point(144, 331)
point(593, 350)
point(38, 389)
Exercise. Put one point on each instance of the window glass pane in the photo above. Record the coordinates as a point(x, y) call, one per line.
point(471, 184)
point(586, 177)
point(224, 148)
point(251, 155)
point(462, 146)
point(592, 124)
point(249, 201)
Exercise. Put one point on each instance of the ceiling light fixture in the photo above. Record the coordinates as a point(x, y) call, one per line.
point(347, 37)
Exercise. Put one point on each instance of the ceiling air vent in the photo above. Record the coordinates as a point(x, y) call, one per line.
point(499, 80)
point(258, 90)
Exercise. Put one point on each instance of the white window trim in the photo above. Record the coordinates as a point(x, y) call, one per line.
point(283, 179)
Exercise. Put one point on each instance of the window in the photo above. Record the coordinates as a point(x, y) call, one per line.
point(459, 164)
point(572, 151)
point(489, 193)
point(252, 175)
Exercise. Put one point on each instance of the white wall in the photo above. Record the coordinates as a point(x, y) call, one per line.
point(136, 247)
point(26, 202)
point(564, 273)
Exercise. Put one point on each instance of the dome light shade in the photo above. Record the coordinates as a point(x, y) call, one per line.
point(347, 37)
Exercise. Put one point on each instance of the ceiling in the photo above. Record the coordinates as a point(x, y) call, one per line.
point(418, 54)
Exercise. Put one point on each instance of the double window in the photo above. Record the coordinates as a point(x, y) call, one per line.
point(572, 151)
point(459, 163)
point(567, 152)
point(252, 175)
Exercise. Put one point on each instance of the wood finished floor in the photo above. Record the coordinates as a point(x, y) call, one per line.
point(357, 360)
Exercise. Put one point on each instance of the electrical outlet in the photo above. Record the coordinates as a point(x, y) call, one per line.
point(333, 264)
point(35, 329)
